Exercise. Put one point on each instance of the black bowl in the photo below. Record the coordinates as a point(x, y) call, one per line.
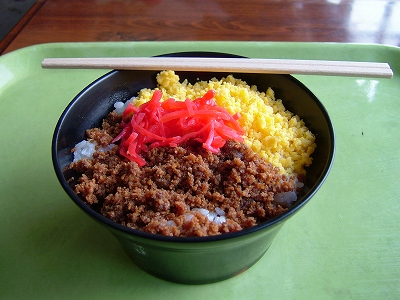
point(193, 259)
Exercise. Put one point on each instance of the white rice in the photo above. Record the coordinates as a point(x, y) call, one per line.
point(120, 106)
point(217, 217)
point(171, 223)
point(285, 198)
point(85, 149)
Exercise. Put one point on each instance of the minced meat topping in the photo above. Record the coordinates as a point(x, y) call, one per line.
point(179, 188)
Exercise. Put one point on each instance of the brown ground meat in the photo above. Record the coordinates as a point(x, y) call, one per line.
point(162, 196)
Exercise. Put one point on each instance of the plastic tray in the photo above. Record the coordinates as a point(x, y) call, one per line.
point(345, 243)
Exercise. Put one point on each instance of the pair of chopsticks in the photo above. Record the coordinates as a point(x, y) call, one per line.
point(234, 65)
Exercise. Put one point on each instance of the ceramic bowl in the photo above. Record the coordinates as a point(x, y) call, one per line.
point(192, 260)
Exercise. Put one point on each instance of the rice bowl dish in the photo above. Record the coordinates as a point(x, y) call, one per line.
point(192, 259)
point(171, 185)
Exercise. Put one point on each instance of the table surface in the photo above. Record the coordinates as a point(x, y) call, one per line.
point(344, 21)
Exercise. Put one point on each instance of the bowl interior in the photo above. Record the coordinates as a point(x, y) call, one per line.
point(90, 106)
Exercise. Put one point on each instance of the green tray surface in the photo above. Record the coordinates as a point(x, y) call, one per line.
point(344, 244)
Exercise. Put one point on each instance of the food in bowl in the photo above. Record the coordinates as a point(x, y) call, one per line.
point(212, 183)
point(191, 259)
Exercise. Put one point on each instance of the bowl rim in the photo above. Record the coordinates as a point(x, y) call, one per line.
point(173, 239)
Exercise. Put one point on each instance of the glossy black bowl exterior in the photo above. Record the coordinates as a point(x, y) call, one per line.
point(197, 259)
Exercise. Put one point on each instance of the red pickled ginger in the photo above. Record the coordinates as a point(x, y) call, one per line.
point(169, 123)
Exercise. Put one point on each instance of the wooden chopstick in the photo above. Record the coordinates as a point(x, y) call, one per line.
point(238, 65)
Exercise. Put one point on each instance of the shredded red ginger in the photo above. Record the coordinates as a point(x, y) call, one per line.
point(168, 123)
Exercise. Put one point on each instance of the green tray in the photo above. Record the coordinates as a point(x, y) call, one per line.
point(344, 244)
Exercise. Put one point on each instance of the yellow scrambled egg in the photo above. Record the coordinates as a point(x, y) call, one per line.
point(276, 134)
